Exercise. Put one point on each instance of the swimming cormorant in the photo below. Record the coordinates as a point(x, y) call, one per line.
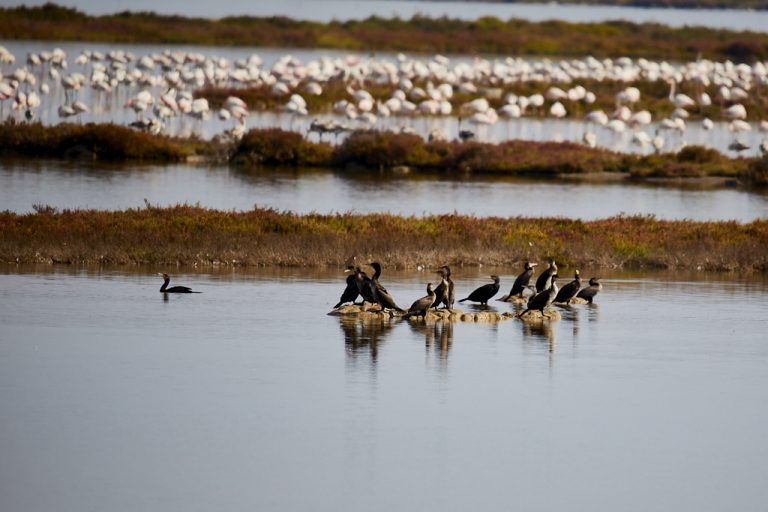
point(522, 281)
point(445, 292)
point(421, 306)
point(542, 300)
point(570, 290)
point(173, 289)
point(542, 283)
point(485, 292)
point(351, 292)
point(590, 291)
point(380, 293)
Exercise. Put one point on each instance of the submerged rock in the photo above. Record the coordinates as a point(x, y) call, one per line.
point(367, 310)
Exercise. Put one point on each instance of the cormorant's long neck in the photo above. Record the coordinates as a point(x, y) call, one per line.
point(165, 284)
point(377, 272)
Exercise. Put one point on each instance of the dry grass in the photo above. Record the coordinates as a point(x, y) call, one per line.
point(187, 235)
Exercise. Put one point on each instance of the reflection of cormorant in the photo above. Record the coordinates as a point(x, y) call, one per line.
point(521, 283)
point(541, 300)
point(362, 332)
point(364, 286)
point(570, 290)
point(438, 334)
point(173, 289)
point(380, 293)
point(542, 283)
point(423, 304)
point(541, 330)
point(351, 292)
point(590, 291)
point(485, 292)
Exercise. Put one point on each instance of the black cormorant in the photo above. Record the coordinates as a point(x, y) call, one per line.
point(351, 292)
point(445, 292)
point(590, 291)
point(522, 281)
point(451, 287)
point(485, 292)
point(542, 300)
point(173, 289)
point(364, 286)
point(441, 292)
point(380, 293)
point(421, 306)
point(570, 290)
point(542, 283)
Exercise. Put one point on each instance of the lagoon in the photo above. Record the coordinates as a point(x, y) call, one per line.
point(115, 397)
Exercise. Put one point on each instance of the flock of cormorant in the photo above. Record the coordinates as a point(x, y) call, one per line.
point(372, 291)
point(546, 291)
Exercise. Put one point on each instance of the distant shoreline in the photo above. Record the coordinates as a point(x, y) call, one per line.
point(378, 151)
point(487, 35)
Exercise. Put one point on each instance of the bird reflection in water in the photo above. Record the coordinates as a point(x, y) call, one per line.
point(364, 333)
point(570, 314)
point(540, 331)
point(592, 312)
point(438, 338)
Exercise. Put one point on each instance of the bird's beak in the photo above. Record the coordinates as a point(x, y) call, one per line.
point(347, 270)
point(534, 264)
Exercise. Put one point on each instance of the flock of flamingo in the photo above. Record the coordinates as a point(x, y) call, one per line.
point(160, 90)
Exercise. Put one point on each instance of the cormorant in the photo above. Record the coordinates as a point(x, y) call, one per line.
point(380, 293)
point(173, 289)
point(542, 283)
point(466, 135)
point(351, 292)
point(445, 292)
point(485, 292)
point(542, 300)
point(521, 283)
point(364, 286)
point(421, 306)
point(590, 291)
point(570, 290)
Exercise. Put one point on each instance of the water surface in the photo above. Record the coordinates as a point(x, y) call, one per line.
point(82, 185)
point(248, 396)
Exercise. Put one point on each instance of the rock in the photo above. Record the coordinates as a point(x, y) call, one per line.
point(515, 299)
point(401, 169)
point(578, 300)
point(536, 316)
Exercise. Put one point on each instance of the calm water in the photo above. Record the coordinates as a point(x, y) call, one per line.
point(116, 399)
point(78, 185)
point(342, 10)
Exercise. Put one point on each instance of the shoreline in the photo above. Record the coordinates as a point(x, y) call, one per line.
point(198, 237)
point(420, 34)
point(367, 151)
